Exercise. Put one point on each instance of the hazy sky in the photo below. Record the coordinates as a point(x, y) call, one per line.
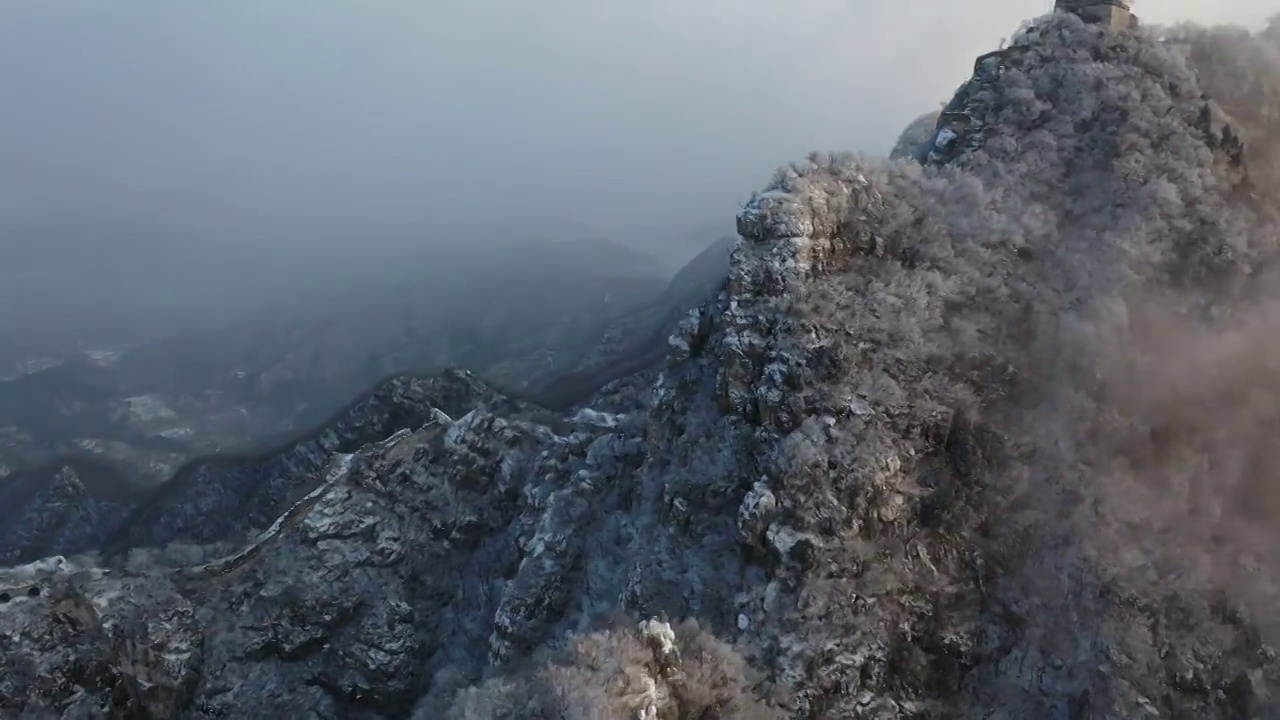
point(645, 117)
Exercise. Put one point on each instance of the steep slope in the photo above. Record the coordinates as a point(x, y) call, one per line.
point(638, 341)
point(147, 417)
point(893, 467)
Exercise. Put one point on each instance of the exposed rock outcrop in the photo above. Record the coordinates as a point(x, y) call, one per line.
point(50, 507)
point(226, 497)
point(448, 536)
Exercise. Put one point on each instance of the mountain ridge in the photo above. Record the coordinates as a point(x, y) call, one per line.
point(869, 473)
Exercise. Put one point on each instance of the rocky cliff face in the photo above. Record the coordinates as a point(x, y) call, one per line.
point(877, 475)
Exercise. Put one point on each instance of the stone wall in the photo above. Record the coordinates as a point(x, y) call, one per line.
point(1113, 13)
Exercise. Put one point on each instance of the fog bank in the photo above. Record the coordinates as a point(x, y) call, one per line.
point(251, 140)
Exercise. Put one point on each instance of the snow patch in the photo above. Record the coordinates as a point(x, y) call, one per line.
point(453, 435)
point(337, 471)
point(148, 407)
point(587, 416)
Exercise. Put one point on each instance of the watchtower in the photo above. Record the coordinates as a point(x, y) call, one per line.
point(1112, 13)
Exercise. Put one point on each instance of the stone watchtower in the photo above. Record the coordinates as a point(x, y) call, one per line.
point(1112, 13)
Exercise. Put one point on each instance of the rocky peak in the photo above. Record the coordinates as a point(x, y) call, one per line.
point(53, 508)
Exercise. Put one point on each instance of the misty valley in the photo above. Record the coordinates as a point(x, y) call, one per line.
point(111, 423)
